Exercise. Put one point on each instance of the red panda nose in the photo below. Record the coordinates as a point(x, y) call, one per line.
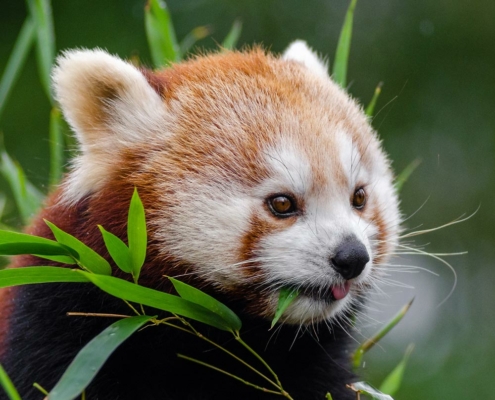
point(350, 258)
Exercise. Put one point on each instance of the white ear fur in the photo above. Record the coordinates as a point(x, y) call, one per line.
point(110, 106)
point(102, 95)
point(300, 52)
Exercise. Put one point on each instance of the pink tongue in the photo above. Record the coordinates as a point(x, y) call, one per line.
point(339, 292)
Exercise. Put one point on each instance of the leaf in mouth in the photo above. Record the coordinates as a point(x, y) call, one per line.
point(286, 296)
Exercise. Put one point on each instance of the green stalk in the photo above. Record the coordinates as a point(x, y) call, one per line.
point(16, 60)
point(229, 374)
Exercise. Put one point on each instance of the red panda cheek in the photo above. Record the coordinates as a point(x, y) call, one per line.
point(259, 227)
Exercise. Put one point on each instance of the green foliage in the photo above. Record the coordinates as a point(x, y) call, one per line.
point(87, 258)
point(91, 358)
point(161, 34)
point(370, 109)
point(405, 174)
point(285, 299)
point(27, 198)
point(136, 234)
point(368, 344)
point(162, 301)
point(41, 12)
point(192, 37)
point(36, 275)
point(8, 386)
point(16, 60)
point(118, 250)
point(56, 146)
point(393, 381)
point(339, 72)
point(233, 36)
point(198, 297)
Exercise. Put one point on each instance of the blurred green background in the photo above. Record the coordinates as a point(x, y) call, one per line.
point(437, 62)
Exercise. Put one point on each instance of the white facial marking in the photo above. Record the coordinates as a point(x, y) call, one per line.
point(299, 255)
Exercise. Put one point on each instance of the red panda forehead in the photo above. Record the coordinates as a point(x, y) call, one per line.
point(229, 108)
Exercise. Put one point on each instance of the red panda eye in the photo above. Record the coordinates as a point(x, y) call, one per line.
point(282, 205)
point(359, 199)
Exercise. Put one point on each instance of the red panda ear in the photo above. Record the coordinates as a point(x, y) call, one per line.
point(110, 106)
point(105, 99)
point(300, 52)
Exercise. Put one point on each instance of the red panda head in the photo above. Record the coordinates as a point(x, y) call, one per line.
point(257, 172)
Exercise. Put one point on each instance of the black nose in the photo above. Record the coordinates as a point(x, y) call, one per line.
point(350, 258)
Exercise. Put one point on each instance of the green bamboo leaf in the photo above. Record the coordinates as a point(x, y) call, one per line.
point(136, 234)
point(371, 107)
point(69, 260)
point(161, 34)
point(14, 243)
point(41, 12)
point(328, 396)
point(159, 300)
point(368, 344)
point(233, 36)
point(118, 250)
point(405, 174)
point(91, 358)
point(393, 381)
point(27, 198)
point(196, 296)
point(56, 146)
point(285, 298)
point(88, 258)
point(34, 275)
point(192, 37)
point(8, 386)
point(343, 48)
point(16, 60)
point(364, 388)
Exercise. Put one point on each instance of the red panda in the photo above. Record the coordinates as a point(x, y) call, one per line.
point(257, 172)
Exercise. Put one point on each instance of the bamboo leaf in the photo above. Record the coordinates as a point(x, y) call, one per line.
point(364, 388)
point(16, 60)
point(192, 37)
point(159, 300)
point(27, 198)
point(233, 36)
point(285, 298)
point(14, 243)
point(405, 174)
point(196, 296)
point(34, 275)
point(328, 396)
point(136, 234)
point(56, 146)
point(88, 258)
point(393, 381)
point(41, 12)
point(368, 344)
point(8, 386)
point(370, 109)
point(339, 73)
point(161, 34)
point(91, 358)
point(118, 250)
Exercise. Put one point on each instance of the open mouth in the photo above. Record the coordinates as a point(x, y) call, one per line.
point(327, 294)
